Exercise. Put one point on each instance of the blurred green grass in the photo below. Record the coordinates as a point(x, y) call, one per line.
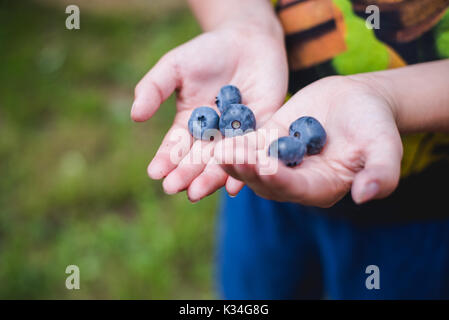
point(73, 186)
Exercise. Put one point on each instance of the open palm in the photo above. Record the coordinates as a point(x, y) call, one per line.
point(197, 70)
point(363, 150)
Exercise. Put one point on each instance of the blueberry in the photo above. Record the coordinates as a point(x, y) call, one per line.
point(228, 95)
point(288, 149)
point(202, 121)
point(310, 131)
point(237, 120)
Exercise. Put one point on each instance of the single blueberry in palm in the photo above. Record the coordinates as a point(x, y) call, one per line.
point(237, 120)
point(228, 95)
point(203, 123)
point(310, 131)
point(289, 150)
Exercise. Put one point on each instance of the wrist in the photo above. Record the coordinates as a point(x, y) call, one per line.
point(381, 86)
point(248, 17)
point(253, 29)
point(416, 94)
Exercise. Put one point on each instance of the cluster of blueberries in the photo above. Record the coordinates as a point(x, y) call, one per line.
point(236, 118)
point(306, 135)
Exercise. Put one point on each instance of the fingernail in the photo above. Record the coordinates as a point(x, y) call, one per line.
point(370, 191)
point(231, 196)
point(133, 111)
point(155, 170)
point(193, 201)
point(171, 192)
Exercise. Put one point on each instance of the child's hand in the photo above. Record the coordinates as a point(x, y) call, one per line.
point(253, 60)
point(363, 150)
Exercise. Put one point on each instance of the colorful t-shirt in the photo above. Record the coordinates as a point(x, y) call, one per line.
point(328, 37)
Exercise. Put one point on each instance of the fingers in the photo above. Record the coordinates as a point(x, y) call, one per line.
point(238, 157)
point(154, 88)
point(243, 172)
point(234, 154)
point(312, 183)
point(189, 168)
point(269, 184)
point(381, 172)
point(173, 149)
point(233, 186)
point(209, 181)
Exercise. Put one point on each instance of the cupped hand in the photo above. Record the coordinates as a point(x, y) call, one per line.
point(363, 150)
point(253, 61)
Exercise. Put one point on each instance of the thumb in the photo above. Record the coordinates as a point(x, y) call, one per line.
point(381, 172)
point(154, 88)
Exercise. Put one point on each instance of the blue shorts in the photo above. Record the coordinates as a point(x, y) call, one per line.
point(272, 250)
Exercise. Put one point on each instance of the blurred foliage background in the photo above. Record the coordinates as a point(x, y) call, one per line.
point(73, 185)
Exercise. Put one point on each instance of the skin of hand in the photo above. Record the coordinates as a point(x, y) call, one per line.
point(363, 151)
point(363, 115)
point(242, 55)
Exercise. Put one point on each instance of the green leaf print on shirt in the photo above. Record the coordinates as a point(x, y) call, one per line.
point(442, 36)
point(365, 53)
